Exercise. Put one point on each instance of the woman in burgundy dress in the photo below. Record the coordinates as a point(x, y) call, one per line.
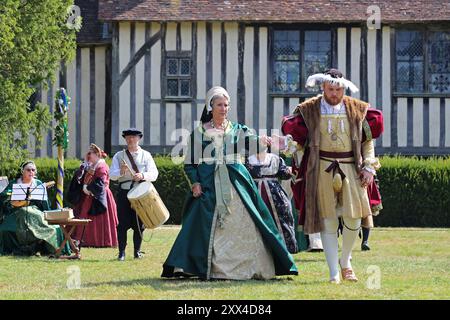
point(92, 199)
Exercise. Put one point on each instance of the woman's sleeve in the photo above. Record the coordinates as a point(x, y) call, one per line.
point(283, 170)
point(251, 141)
point(5, 204)
point(191, 161)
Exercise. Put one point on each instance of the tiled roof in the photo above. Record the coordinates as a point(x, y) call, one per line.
point(311, 11)
point(92, 29)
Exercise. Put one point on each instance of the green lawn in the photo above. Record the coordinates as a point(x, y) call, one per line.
point(413, 263)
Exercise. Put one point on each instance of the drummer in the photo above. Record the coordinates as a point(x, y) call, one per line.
point(129, 167)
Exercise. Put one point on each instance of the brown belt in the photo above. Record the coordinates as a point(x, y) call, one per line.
point(334, 166)
point(336, 155)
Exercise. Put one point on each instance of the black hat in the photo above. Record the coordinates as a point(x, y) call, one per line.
point(132, 132)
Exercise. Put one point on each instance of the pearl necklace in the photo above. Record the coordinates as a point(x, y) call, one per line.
point(222, 126)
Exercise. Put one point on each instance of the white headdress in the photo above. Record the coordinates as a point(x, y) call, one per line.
point(333, 78)
point(213, 92)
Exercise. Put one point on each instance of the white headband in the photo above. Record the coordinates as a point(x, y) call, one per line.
point(319, 78)
point(215, 91)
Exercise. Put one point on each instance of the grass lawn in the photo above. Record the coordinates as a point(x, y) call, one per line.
point(413, 264)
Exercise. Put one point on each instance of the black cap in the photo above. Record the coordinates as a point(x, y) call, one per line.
point(132, 132)
point(334, 73)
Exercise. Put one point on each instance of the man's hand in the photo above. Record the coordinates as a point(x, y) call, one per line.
point(138, 176)
point(123, 169)
point(366, 178)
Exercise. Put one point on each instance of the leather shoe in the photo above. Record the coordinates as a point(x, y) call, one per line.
point(365, 246)
point(348, 274)
point(121, 256)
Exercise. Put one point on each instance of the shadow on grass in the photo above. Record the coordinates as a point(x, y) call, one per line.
point(195, 283)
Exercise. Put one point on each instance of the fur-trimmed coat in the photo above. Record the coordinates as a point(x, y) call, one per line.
point(304, 126)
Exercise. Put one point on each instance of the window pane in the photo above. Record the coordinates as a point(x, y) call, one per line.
point(317, 51)
point(172, 87)
point(410, 61)
point(185, 87)
point(410, 76)
point(286, 45)
point(172, 67)
point(409, 45)
point(287, 77)
point(439, 62)
point(185, 67)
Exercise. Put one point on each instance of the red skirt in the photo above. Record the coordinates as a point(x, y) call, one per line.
point(102, 230)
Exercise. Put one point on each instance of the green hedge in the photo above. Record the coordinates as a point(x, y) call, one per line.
point(415, 192)
point(171, 184)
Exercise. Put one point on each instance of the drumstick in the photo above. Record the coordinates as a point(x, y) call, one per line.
point(129, 169)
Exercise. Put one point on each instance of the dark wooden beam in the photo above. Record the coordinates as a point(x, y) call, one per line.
point(115, 84)
point(137, 57)
point(240, 80)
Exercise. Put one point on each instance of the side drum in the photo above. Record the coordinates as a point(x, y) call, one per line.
point(145, 200)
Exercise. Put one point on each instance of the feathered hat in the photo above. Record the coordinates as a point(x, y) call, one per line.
point(332, 76)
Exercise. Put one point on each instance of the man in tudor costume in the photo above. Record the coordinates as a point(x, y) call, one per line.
point(335, 179)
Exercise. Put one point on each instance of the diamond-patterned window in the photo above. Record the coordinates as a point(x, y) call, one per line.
point(178, 76)
point(410, 59)
point(422, 61)
point(298, 54)
point(439, 62)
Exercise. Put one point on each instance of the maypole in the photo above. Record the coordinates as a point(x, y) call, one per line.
point(61, 140)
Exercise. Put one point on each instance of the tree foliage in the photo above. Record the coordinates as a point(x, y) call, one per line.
point(34, 39)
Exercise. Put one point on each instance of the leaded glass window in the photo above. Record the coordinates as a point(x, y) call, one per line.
point(178, 77)
point(410, 58)
point(287, 61)
point(422, 61)
point(439, 62)
point(317, 51)
point(298, 54)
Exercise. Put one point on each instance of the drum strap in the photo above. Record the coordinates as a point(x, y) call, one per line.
point(133, 164)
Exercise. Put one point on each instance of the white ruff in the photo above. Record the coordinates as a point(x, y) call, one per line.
point(319, 78)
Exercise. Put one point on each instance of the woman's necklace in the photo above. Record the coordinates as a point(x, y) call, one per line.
point(222, 126)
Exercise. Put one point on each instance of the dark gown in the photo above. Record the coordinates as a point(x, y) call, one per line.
point(267, 175)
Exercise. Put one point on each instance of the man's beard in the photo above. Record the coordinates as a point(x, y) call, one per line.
point(333, 102)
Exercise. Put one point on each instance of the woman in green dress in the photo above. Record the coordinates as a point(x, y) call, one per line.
point(23, 229)
point(227, 230)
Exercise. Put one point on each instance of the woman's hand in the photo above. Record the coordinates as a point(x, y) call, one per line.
point(289, 170)
point(197, 190)
point(86, 191)
point(265, 140)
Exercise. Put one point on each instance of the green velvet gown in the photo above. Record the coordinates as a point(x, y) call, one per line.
point(202, 216)
point(24, 231)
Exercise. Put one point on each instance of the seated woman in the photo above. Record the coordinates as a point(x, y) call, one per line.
point(92, 199)
point(23, 229)
point(227, 232)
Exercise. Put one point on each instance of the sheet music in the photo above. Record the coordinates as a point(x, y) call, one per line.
point(19, 192)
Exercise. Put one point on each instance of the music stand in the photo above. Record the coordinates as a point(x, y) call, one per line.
point(22, 192)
